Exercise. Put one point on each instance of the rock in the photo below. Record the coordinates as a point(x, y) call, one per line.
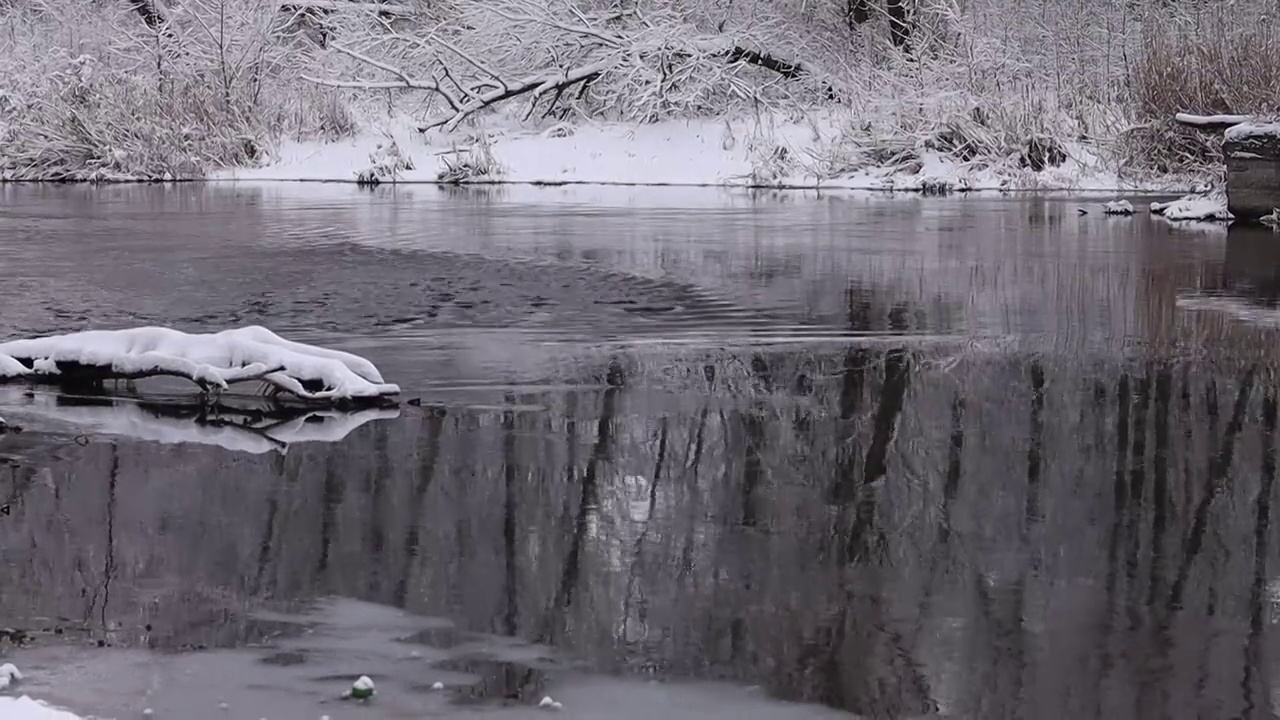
point(363, 688)
point(1252, 153)
point(9, 674)
point(1118, 207)
point(437, 686)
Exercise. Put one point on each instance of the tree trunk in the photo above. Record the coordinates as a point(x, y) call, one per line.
point(150, 14)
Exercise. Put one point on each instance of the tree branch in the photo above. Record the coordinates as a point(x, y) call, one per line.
point(334, 5)
point(537, 84)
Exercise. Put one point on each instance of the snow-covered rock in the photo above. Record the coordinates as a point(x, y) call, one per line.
point(1118, 207)
point(1247, 130)
point(362, 688)
point(1252, 154)
point(24, 708)
point(9, 674)
point(214, 360)
point(1211, 206)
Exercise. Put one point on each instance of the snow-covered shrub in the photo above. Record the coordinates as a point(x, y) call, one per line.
point(387, 161)
point(472, 162)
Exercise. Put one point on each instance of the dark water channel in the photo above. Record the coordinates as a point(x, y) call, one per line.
point(901, 457)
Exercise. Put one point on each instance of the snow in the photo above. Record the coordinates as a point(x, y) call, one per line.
point(774, 152)
point(24, 708)
point(1211, 206)
point(1248, 130)
point(1118, 207)
point(217, 359)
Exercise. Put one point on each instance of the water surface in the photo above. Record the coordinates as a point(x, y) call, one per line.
point(976, 457)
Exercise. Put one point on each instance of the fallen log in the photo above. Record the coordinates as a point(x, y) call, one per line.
point(213, 361)
point(1212, 123)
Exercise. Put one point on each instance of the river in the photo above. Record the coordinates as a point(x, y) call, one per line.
point(677, 451)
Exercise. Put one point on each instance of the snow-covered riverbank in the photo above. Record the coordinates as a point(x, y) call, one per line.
point(24, 708)
point(810, 153)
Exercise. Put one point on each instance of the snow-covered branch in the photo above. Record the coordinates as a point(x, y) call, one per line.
point(536, 85)
point(623, 65)
point(213, 361)
point(337, 6)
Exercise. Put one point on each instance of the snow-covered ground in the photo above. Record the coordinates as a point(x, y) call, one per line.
point(805, 153)
point(24, 708)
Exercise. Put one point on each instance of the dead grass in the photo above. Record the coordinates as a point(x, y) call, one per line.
point(1215, 58)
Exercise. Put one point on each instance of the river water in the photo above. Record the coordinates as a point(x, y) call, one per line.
point(678, 451)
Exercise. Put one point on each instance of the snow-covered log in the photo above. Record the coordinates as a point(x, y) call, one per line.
point(213, 361)
point(1210, 122)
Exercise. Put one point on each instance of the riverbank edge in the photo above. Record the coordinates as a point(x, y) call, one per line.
point(811, 152)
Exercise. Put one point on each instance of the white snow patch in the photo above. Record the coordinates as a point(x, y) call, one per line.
point(767, 151)
point(217, 359)
point(1212, 206)
point(1245, 131)
point(24, 708)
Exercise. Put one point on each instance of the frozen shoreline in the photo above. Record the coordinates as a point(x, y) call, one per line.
point(744, 153)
